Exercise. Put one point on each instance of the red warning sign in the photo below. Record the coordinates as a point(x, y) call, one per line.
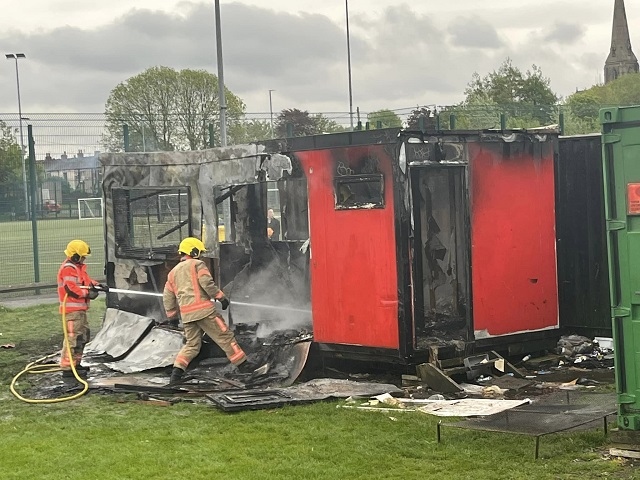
point(633, 198)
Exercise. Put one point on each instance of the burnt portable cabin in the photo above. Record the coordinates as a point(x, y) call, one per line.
point(154, 200)
point(395, 246)
point(431, 246)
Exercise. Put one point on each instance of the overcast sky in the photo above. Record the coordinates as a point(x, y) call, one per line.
point(403, 53)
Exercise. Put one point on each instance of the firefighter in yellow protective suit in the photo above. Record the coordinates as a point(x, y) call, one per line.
point(74, 283)
point(189, 291)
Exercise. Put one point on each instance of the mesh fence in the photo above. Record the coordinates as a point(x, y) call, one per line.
point(68, 181)
point(68, 134)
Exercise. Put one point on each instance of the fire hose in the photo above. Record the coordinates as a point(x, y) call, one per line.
point(37, 367)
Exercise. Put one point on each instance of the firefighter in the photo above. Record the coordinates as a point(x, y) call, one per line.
point(80, 289)
point(189, 291)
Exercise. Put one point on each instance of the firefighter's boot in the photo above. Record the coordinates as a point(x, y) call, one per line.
point(82, 373)
point(176, 375)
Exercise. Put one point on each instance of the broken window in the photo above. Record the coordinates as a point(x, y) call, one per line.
point(171, 206)
point(441, 236)
point(359, 191)
point(273, 197)
point(149, 223)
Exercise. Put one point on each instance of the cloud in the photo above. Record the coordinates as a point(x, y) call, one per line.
point(472, 32)
point(261, 48)
point(564, 33)
point(400, 56)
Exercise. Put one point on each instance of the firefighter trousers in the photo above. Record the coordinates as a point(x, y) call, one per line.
point(78, 334)
point(214, 326)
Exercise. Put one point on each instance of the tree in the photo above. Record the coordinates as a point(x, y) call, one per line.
point(413, 122)
point(517, 94)
point(252, 131)
point(167, 109)
point(478, 113)
point(326, 125)
point(11, 192)
point(582, 108)
point(303, 123)
point(387, 119)
point(300, 122)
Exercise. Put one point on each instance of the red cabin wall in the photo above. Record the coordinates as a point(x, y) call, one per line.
point(354, 287)
point(513, 252)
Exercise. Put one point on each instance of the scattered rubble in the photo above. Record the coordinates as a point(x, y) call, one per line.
point(485, 383)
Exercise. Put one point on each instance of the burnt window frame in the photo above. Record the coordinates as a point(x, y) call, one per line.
point(355, 179)
point(124, 234)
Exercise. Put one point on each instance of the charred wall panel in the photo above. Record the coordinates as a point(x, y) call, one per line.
point(354, 286)
point(513, 237)
point(583, 280)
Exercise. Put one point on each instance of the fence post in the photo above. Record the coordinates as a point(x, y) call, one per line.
point(437, 122)
point(125, 134)
point(452, 122)
point(421, 123)
point(379, 124)
point(503, 121)
point(289, 130)
point(561, 122)
point(367, 126)
point(34, 217)
point(212, 142)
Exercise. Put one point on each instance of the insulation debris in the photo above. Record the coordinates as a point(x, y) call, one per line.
point(158, 349)
point(119, 333)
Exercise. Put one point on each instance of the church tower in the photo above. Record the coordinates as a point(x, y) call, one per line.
point(621, 59)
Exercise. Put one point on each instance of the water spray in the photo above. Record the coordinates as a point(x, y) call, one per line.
point(234, 303)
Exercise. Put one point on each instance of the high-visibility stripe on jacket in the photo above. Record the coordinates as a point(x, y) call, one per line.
point(71, 277)
point(189, 290)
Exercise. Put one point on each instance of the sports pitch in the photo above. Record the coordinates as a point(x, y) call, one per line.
point(17, 256)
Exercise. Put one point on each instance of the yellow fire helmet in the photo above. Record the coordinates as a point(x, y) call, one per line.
point(77, 247)
point(191, 246)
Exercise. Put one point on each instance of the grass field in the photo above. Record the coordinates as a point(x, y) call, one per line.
point(16, 256)
point(115, 437)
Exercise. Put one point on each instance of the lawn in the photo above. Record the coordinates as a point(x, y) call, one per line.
point(17, 256)
point(113, 437)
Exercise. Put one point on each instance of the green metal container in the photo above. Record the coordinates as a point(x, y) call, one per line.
point(621, 176)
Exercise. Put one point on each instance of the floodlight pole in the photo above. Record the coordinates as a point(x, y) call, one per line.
point(16, 56)
point(226, 207)
point(346, 4)
point(221, 95)
point(271, 111)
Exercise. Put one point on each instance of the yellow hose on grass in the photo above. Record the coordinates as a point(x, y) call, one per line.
point(37, 367)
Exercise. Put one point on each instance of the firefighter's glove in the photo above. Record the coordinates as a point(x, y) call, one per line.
point(93, 293)
point(102, 287)
point(224, 302)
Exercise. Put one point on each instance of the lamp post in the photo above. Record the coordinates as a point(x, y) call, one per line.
point(16, 56)
point(271, 111)
point(346, 5)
